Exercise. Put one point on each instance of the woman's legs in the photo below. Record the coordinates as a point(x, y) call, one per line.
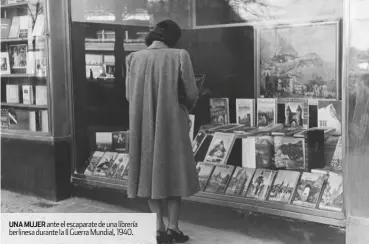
point(174, 206)
point(156, 206)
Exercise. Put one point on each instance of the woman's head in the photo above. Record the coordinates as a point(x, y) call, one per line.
point(166, 31)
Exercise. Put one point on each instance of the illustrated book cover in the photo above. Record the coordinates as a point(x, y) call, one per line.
point(120, 159)
point(283, 187)
point(93, 161)
point(105, 163)
point(18, 56)
point(330, 115)
point(240, 180)
point(289, 152)
point(204, 172)
point(309, 189)
point(219, 110)
point(120, 141)
point(219, 179)
point(266, 111)
point(293, 113)
point(104, 141)
point(260, 184)
point(220, 147)
point(258, 152)
point(332, 198)
point(245, 110)
point(122, 167)
point(199, 139)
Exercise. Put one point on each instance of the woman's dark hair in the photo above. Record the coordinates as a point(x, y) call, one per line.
point(166, 31)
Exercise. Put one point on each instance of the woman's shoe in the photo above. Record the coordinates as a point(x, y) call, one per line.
point(162, 237)
point(178, 237)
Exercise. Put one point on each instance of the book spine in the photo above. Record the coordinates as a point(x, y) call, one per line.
point(27, 94)
point(44, 121)
point(32, 121)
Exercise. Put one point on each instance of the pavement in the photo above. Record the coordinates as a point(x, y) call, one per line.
point(204, 224)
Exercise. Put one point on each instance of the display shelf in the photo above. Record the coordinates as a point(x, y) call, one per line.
point(14, 5)
point(14, 39)
point(280, 209)
point(26, 135)
point(89, 180)
point(22, 76)
point(21, 105)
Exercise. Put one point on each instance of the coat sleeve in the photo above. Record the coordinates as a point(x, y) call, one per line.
point(188, 78)
point(128, 75)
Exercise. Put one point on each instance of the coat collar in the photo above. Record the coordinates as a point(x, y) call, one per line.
point(157, 45)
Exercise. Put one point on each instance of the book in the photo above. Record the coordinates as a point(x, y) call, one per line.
point(289, 152)
point(23, 26)
point(336, 162)
point(122, 167)
point(44, 121)
point(27, 94)
point(40, 63)
point(104, 141)
point(122, 158)
point(39, 27)
point(18, 119)
point(244, 131)
point(220, 147)
point(260, 184)
point(104, 164)
point(120, 141)
point(14, 27)
point(258, 152)
point(192, 125)
point(283, 187)
point(31, 64)
point(32, 121)
point(225, 128)
point(294, 112)
point(124, 175)
point(199, 139)
point(240, 180)
point(12, 93)
point(41, 95)
point(18, 56)
point(5, 63)
point(332, 197)
point(309, 189)
point(204, 171)
point(266, 111)
point(219, 110)
point(4, 118)
point(219, 179)
point(330, 115)
point(286, 131)
point(92, 162)
point(5, 27)
point(268, 130)
point(245, 110)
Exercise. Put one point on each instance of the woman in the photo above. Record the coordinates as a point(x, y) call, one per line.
point(162, 166)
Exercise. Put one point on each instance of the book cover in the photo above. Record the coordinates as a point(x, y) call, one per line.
point(12, 93)
point(266, 111)
point(240, 180)
point(330, 115)
point(122, 158)
point(245, 110)
point(32, 121)
point(258, 152)
point(120, 141)
point(289, 152)
point(18, 56)
point(203, 148)
point(219, 110)
point(104, 141)
point(309, 189)
point(18, 119)
point(93, 161)
point(295, 113)
point(14, 27)
point(23, 26)
point(336, 162)
point(219, 179)
point(4, 118)
point(31, 64)
point(41, 95)
point(332, 197)
point(5, 27)
point(38, 29)
point(40, 63)
point(199, 139)
point(44, 121)
point(106, 161)
point(121, 169)
point(27, 94)
point(220, 148)
point(192, 125)
point(283, 187)
point(260, 184)
point(5, 63)
point(204, 171)
point(124, 175)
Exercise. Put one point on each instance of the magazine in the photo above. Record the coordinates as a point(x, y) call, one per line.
point(122, 158)
point(309, 189)
point(332, 198)
point(105, 163)
point(240, 180)
point(219, 110)
point(261, 183)
point(220, 148)
point(245, 110)
point(94, 160)
point(204, 171)
point(219, 179)
point(266, 111)
point(289, 152)
point(284, 186)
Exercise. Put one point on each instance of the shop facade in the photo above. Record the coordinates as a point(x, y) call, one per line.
point(237, 45)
